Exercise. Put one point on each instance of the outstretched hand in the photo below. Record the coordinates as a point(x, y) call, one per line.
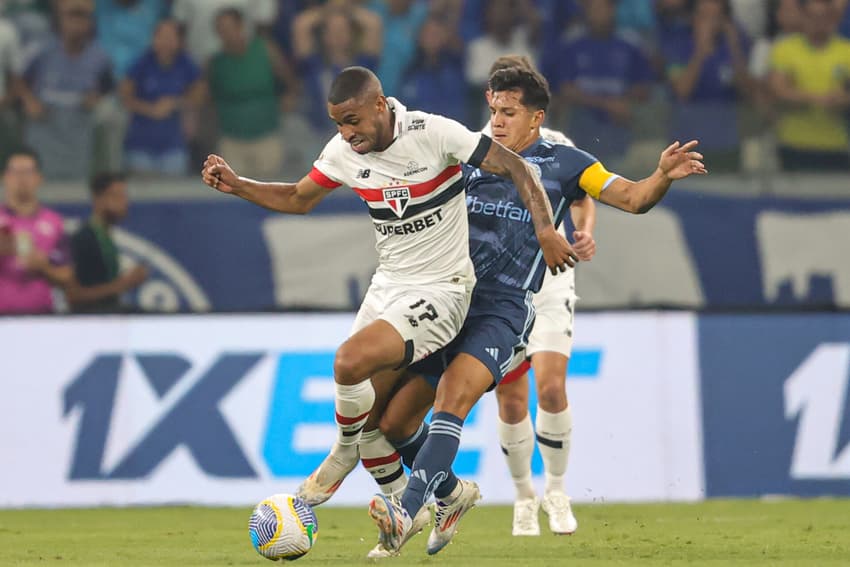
point(680, 161)
point(218, 175)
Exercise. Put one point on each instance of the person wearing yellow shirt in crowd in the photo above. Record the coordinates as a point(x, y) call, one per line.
point(810, 79)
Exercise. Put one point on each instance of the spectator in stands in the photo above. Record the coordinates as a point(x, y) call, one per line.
point(326, 40)
point(33, 247)
point(199, 19)
point(99, 283)
point(708, 73)
point(843, 7)
point(810, 79)
point(785, 17)
point(31, 19)
point(602, 74)
point(158, 88)
point(558, 18)
point(62, 86)
point(125, 29)
point(402, 20)
point(435, 82)
point(245, 79)
point(511, 28)
point(10, 69)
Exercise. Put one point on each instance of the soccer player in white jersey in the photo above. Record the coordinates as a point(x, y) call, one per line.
point(406, 166)
point(549, 348)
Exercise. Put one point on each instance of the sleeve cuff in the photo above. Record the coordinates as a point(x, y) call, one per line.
point(480, 151)
point(322, 179)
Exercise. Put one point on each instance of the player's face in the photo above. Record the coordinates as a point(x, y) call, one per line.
point(359, 122)
point(514, 125)
point(115, 202)
point(21, 178)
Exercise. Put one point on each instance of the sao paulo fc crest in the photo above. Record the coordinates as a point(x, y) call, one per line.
point(397, 198)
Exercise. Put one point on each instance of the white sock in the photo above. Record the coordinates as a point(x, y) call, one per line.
point(553, 438)
point(383, 462)
point(518, 445)
point(352, 405)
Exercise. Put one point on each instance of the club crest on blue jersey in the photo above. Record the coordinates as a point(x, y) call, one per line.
point(397, 198)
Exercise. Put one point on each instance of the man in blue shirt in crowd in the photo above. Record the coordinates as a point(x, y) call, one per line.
point(602, 73)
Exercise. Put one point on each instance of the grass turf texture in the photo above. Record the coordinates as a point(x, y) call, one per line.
point(793, 532)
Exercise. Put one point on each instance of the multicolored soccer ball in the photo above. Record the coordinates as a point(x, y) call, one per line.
point(283, 527)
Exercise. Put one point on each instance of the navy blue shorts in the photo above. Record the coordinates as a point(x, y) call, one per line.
point(495, 330)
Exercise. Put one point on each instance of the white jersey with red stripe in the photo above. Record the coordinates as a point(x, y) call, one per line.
point(414, 191)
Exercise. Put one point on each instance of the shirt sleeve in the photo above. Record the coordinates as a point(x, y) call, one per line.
point(456, 142)
point(326, 169)
point(595, 179)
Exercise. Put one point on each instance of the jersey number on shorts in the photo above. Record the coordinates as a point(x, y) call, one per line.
point(429, 313)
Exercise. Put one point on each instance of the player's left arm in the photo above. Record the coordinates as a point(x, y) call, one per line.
point(677, 162)
point(583, 214)
point(501, 161)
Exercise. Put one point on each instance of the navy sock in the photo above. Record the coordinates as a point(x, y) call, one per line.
point(433, 465)
point(409, 448)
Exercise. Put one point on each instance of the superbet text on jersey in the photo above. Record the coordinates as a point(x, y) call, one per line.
point(414, 191)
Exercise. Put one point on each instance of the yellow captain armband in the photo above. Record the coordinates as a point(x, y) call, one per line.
point(595, 178)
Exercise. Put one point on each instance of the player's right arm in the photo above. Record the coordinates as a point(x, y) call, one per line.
point(294, 198)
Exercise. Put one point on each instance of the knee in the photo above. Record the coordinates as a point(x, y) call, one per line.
point(512, 409)
point(396, 430)
point(347, 363)
point(552, 395)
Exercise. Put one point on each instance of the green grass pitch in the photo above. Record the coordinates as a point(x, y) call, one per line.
point(742, 532)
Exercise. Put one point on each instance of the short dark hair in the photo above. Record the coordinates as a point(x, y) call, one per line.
point(103, 181)
point(25, 151)
point(532, 85)
point(231, 12)
point(351, 83)
point(508, 61)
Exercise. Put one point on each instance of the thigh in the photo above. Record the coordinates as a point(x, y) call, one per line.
point(268, 153)
point(236, 155)
point(554, 306)
point(427, 319)
point(494, 333)
point(462, 385)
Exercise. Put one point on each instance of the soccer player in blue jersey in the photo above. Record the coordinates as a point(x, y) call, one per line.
point(509, 269)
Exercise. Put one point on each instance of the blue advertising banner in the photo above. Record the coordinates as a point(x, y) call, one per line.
point(695, 251)
point(776, 409)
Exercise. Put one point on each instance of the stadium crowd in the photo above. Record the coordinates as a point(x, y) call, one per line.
point(152, 86)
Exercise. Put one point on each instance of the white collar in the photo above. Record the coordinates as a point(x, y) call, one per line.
point(400, 115)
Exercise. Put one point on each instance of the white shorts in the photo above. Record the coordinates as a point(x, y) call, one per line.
point(555, 305)
point(427, 318)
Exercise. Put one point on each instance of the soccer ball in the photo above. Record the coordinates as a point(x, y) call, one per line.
point(283, 527)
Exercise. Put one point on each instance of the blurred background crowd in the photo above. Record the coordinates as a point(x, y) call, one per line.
point(127, 97)
point(151, 86)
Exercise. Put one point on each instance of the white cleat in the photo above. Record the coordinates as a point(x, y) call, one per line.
point(420, 521)
point(394, 525)
point(380, 552)
point(561, 518)
point(447, 516)
point(326, 480)
point(526, 521)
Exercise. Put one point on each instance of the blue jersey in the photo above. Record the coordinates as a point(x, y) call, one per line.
point(502, 241)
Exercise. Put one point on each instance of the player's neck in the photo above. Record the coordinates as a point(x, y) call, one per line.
point(527, 142)
point(388, 137)
point(24, 208)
